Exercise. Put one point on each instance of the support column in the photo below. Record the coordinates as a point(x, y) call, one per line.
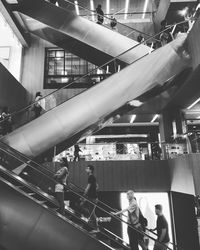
point(171, 125)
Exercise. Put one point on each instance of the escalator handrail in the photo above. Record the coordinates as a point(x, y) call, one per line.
point(57, 214)
point(87, 74)
point(74, 192)
point(110, 19)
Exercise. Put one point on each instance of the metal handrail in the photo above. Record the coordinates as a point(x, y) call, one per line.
point(87, 74)
point(77, 215)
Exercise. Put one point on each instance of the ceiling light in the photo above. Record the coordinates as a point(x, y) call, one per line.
point(126, 9)
point(108, 7)
point(76, 7)
point(194, 103)
point(132, 118)
point(154, 118)
point(92, 9)
point(183, 12)
point(135, 103)
point(145, 8)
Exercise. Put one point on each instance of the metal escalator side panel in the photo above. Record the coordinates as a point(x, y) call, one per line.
point(97, 36)
point(99, 102)
point(68, 43)
point(25, 225)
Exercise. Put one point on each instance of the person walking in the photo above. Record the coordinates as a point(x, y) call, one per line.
point(100, 14)
point(37, 105)
point(162, 229)
point(135, 237)
point(91, 193)
point(76, 152)
point(61, 177)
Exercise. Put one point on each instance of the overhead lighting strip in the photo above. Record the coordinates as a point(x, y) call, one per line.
point(145, 8)
point(92, 9)
point(154, 118)
point(194, 103)
point(133, 118)
point(76, 7)
point(107, 7)
point(126, 9)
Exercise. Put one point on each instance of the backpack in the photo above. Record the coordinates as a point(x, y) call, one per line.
point(142, 220)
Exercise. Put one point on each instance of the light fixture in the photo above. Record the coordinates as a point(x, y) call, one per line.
point(76, 7)
point(145, 8)
point(132, 118)
point(183, 12)
point(92, 9)
point(135, 103)
point(154, 118)
point(107, 7)
point(194, 103)
point(126, 9)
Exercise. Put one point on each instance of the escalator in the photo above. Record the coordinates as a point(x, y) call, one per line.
point(25, 204)
point(86, 39)
point(87, 112)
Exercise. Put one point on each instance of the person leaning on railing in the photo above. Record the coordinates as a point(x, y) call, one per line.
point(135, 237)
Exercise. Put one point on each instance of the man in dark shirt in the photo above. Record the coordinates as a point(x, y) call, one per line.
point(100, 14)
point(91, 193)
point(162, 229)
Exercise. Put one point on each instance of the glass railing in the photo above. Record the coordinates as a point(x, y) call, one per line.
point(59, 96)
point(89, 214)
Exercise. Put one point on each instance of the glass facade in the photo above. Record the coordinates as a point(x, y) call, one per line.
point(63, 68)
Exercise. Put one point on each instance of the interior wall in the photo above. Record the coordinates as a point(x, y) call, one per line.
point(181, 174)
point(142, 176)
point(33, 71)
point(193, 161)
point(12, 94)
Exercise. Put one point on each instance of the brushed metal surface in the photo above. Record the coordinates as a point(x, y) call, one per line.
point(25, 225)
point(90, 109)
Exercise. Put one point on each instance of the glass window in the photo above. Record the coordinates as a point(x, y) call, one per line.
point(62, 67)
